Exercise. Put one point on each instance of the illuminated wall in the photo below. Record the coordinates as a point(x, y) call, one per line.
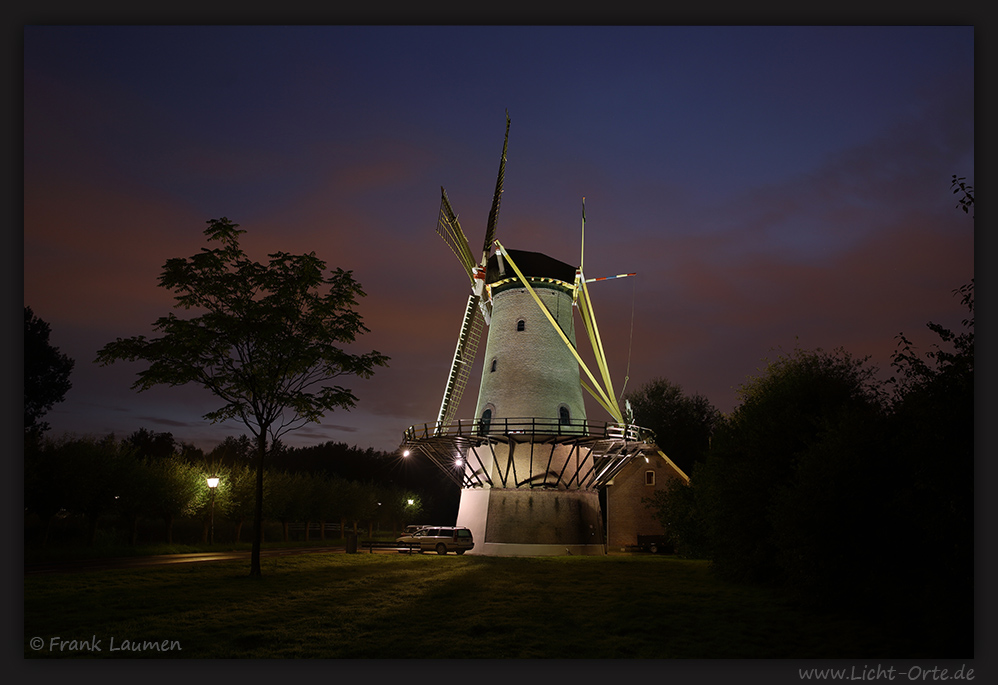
point(627, 516)
point(529, 370)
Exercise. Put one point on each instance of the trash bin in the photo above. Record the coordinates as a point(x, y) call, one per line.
point(351, 543)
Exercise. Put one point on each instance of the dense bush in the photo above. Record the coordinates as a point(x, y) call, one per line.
point(824, 482)
point(680, 511)
point(798, 401)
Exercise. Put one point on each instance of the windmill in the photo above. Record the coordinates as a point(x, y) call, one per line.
point(478, 310)
point(530, 463)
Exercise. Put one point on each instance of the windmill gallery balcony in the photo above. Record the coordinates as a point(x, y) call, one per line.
point(527, 427)
point(529, 452)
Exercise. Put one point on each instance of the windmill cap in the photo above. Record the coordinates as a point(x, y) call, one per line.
point(533, 265)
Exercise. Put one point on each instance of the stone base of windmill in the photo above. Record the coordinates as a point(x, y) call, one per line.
point(534, 522)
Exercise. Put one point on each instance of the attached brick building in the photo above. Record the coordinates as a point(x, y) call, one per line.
point(627, 516)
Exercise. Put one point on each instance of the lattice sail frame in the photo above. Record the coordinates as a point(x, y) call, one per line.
point(464, 356)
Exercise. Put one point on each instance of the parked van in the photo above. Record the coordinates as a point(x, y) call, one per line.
point(442, 539)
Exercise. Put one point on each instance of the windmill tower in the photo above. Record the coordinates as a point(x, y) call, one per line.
point(530, 463)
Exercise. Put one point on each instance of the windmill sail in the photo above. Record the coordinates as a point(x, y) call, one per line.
point(490, 230)
point(464, 357)
point(479, 308)
point(449, 229)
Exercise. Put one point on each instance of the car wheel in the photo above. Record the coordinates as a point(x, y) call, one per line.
point(653, 549)
point(441, 548)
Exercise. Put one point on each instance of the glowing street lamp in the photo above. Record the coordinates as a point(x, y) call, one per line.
point(212, 484)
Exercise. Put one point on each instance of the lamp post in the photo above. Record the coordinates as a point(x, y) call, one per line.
point(212, 484)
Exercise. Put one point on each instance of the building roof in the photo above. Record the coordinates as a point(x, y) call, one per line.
point(533, 265)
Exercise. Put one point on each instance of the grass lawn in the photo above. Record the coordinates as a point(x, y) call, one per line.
point(426, 606)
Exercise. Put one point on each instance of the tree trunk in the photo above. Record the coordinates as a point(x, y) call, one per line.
point(169, 529)
point(239, 528)
point(308, 524)
point(286, 525)
point(135, 530)
point(261, 452)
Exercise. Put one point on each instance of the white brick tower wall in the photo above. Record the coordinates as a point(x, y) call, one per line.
point(528, 369)
point(530, 373)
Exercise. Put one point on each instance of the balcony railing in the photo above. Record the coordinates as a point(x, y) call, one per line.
point(511, 427)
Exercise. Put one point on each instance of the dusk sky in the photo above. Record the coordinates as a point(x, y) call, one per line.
point(770, 186)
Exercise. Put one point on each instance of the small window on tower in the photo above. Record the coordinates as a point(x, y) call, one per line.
point(520, 325)
point(493, 368)
point(649, 477)
point(564, 418)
